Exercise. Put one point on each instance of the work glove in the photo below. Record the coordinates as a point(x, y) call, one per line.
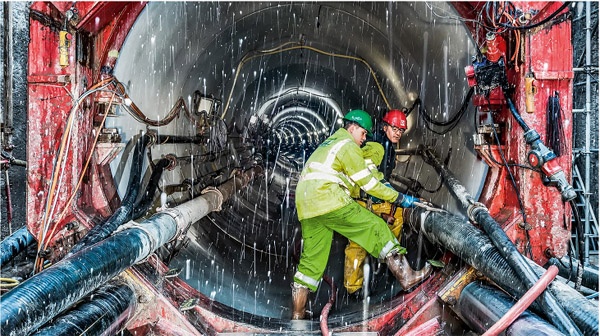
point(378, 200)
point(406, 201)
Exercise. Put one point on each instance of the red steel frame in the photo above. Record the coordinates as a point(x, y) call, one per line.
point(51, 87)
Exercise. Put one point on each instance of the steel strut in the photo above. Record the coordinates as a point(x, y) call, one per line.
point(479, 213)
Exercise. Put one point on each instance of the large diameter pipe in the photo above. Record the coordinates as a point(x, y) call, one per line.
point(524, 302)
point(14, 244)
point(475, 248)
point(47, 294)
point(482, 306)
point(102, 313)
point(507, 249)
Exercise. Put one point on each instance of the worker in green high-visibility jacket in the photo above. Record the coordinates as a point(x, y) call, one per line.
point(324, 205)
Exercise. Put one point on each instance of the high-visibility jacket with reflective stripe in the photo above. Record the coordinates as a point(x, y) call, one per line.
point(330, 172)
point(355, 190)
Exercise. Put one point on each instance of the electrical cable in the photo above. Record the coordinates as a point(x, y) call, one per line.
point(537, 24)
point(82, 174)
point(297, 46)
point(452, 123)
point(59, 161)
point(489, 150)
point(581, 239)
point(517, 192)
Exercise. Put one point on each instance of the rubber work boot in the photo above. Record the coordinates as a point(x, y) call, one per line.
point(299, 297)
point(406, 276)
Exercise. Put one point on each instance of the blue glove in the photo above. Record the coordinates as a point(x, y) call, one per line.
point(406, 201)
point(378, 200)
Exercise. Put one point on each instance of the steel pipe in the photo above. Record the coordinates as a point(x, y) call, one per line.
point(43, 296)
point(14, 244)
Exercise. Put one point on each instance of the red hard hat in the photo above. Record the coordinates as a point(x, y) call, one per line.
point(395, 118)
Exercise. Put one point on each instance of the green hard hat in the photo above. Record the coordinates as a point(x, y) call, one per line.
point(362, 118)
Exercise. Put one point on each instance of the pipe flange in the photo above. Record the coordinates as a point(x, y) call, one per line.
point(152, 137)
point(473, 208)
point(172, 161)
point(219, 196)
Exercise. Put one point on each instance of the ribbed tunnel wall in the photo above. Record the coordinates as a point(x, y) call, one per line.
point(278, 104)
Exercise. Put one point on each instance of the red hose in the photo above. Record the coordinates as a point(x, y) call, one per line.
point(327, 308)
point(513, 313)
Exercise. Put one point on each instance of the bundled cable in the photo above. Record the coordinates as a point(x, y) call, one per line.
point(555, 136)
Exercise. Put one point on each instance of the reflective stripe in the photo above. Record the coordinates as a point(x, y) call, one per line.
point(322, 176)
point(372, 166)
point(385, 250)
point(361, 175)
point(369, 161)
point(372, 183)
point(349, 180)
point(321, 167)
point(325, 170)
point(333, 152)
point(308, 280)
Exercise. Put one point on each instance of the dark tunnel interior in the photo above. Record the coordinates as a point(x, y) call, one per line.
point(265, 83)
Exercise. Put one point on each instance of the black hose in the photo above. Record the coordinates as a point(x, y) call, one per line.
point(517, 262)
point(475, 248)
point(177, 139)
point(144, 204)
point(515, 259)
point(48, 293)
point(482, 306)
point(516, 114)
point(125, 211)
point(568, 270)
point(102, 313)
point(14, 244)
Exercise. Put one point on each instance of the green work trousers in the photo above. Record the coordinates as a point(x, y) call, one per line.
point(353, 222)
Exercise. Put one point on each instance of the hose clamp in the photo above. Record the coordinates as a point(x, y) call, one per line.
point(181, 227)
point(135, 225)
point(473, 208)
point(219, 196)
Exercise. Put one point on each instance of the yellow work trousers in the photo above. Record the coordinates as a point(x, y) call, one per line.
point(356, 255)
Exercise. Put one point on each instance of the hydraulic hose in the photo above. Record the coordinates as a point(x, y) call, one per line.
point(178, 139)
point(516, 114)
point(524, 302)
point(568, 270)
point(14, 244)
point(475, 248)
point(125, 211)
point(327, 307)
point(554, 312)
point(477, 212)
point(481, 306)
point(47, 294)
point(144, 204)
point(102, 313)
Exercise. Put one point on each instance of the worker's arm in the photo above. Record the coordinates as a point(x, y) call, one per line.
point(354, 166)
